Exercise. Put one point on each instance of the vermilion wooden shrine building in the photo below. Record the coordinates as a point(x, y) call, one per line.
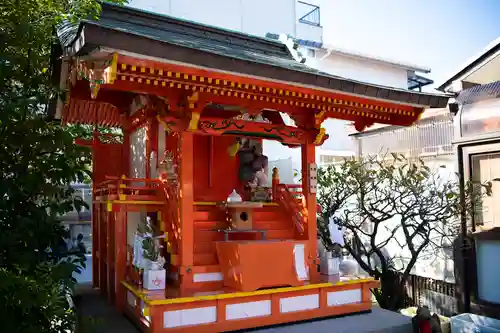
point(183, 89)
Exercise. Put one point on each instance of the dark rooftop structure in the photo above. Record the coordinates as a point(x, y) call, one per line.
point(152, 35)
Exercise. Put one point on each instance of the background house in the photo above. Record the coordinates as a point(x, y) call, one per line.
point(477, 140)
point(301, 20)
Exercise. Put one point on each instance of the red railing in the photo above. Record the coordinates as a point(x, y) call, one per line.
point(292, 204)
point(121, 188)
point(172, 218)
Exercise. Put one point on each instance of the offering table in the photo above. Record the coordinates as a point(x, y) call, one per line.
point(252, 265)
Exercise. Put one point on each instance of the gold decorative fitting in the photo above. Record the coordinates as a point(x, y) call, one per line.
point(143, 70)
point(160, 72)
point(319, 136)
point(178, 75)
point(124, 66)
point(155, 82)
point(148, 81)
point(151, 71)
point(276, 174)
point(133, 68)
point(195, 118)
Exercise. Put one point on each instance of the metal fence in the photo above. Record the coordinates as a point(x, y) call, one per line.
point(430, 136)
point(440, 296)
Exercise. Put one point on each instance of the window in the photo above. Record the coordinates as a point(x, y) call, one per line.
point(486, 167)
point(326, 159)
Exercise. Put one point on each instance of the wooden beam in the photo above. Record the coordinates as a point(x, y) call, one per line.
point(217, 126)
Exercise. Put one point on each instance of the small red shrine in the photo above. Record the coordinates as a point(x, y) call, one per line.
point(185, 94)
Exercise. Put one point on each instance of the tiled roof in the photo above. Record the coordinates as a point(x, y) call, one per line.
point(149, 34)
point(479, 93)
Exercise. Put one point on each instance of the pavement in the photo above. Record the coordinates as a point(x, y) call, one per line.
point(96, 315)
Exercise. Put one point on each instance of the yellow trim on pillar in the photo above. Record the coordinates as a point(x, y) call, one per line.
point(193, 123)
point(320, 136)
point(122, 197)
point(144, 295)
point(130, 202)
point(109, 206)
point(113, 68)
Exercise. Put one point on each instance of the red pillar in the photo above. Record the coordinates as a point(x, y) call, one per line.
point(186, 197)
point(308, 160)
point(120, 257)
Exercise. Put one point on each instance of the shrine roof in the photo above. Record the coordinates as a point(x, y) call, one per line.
point(171, 39)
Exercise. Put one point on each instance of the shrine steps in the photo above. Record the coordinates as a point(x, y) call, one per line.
point(209, 218)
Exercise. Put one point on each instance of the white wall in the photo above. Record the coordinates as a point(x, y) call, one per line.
point(256, 17)
point(360, 69)
point(435, 263)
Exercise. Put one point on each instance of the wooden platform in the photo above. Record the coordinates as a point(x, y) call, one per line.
point(227, 310)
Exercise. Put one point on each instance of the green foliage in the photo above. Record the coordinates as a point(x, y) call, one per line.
point(150, 246)
point(393, 202)
point(38, 161)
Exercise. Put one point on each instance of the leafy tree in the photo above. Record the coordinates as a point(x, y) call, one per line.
point(37, 162)
point(388, 203)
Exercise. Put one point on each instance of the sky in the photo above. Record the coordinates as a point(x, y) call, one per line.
point(439, 34)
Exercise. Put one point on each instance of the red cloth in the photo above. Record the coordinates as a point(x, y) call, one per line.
point(425, 327)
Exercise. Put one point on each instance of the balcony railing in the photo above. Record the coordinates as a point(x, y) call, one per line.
point(428, 137)
point(308, 14)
